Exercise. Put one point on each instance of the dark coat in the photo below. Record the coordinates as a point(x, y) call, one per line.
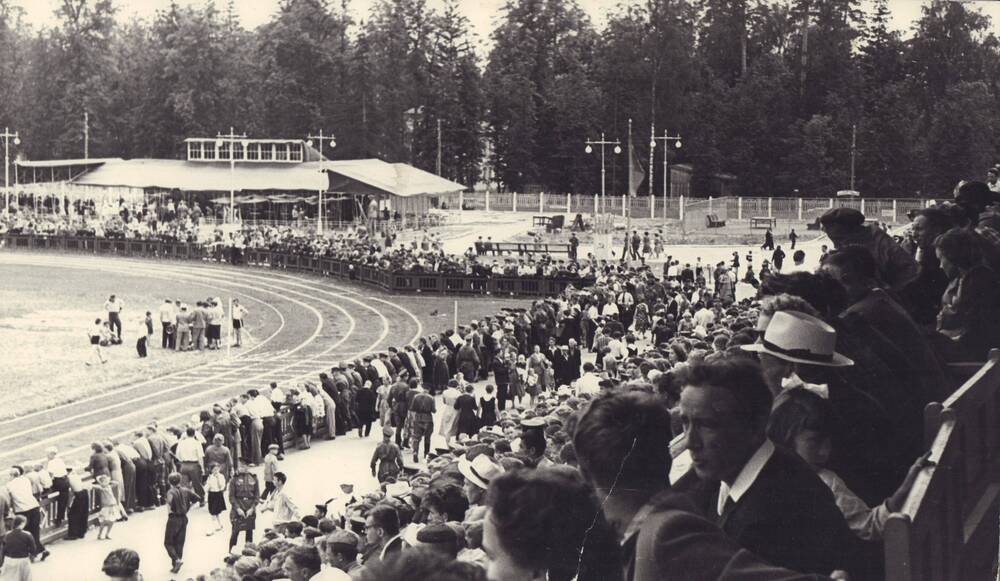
point(671, 540)
point(441, 374)
point(468, 423)
point(788, 517)
point(366, 399)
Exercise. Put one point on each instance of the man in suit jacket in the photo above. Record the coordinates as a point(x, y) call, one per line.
point(623, 446)
point(766, 499)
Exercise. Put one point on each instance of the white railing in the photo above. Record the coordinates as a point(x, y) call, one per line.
point(889, 210)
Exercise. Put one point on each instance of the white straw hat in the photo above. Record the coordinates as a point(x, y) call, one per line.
point(800, 338)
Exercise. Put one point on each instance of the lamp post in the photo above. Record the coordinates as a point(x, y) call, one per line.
point(7, 135)
point(333, 143)
point(666, 149)
point(589, 149)
point(231, 138)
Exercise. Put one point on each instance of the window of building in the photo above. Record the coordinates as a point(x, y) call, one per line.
point(282, 152)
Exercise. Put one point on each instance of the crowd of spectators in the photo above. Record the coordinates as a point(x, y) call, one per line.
point(800, 409)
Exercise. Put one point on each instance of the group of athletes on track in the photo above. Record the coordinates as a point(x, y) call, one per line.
point(183, 328)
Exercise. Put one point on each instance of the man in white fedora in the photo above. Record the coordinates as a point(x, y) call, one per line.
point(478, 473)
point(870, 450)
point(793, 338)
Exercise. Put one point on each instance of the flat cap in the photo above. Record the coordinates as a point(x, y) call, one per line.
point(845, 217)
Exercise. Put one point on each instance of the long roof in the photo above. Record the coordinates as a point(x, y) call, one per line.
point(363, 176)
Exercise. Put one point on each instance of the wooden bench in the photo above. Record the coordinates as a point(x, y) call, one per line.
point(763, 222)
point(713, 221)
point(522, 248)
point(814, 225)
point(550, 223)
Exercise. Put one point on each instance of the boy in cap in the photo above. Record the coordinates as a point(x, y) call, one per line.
point(270, 468)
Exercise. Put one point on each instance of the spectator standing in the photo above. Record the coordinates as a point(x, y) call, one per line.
point(285, 511)
point(191, 457)
point(19, 550)
point(846, 227)
point(387, 460)
point(768, 241)
point(60, 483)
point(244, 492)
point(178, 503)
point(421, 420)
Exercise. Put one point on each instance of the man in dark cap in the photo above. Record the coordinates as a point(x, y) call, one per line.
point(846, 227)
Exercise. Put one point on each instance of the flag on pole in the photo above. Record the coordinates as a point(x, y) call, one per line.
point(636, 173)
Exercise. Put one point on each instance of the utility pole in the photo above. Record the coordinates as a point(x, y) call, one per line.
point(439, 147)
point(7, 137)
point(86, 135)
point(231, 138)
point(326, 181)
point(854, 146)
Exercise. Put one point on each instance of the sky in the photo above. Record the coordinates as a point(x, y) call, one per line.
point(481, 13)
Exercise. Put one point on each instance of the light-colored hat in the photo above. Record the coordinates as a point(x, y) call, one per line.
point(480, 471)
point(800, 338)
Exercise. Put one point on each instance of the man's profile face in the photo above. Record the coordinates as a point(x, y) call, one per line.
point(720, 437)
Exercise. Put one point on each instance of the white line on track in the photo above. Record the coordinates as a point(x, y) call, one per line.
point(409, 313)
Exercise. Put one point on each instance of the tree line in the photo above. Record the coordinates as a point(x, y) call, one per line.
point(773, 92)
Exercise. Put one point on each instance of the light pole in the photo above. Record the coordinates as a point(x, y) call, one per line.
point(333, 143)
point(666, 149)
point(7, 135)
point(231, 138)
point(589, 149)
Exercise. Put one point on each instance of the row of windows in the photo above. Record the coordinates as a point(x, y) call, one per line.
point(213, 151)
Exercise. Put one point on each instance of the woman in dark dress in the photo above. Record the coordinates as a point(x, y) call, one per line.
point(79, 507)
point(468, 423)
point(488, 407)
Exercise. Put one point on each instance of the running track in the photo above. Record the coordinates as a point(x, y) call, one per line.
point(321, 322)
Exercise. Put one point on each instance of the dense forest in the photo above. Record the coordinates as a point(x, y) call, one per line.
point(772, 92)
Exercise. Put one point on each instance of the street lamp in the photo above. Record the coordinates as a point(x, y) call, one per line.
point(677, 144)
point(7, 135)
point(589, 149)
point(220, 140)
point(333, 143)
